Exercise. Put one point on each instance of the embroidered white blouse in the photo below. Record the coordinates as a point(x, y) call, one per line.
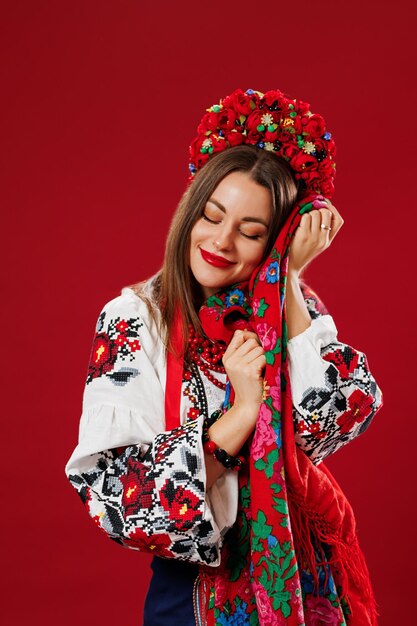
point(144, 486)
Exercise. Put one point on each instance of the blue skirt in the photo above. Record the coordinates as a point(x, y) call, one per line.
point(169, 600)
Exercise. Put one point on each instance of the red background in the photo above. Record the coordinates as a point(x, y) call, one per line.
point(100, 102)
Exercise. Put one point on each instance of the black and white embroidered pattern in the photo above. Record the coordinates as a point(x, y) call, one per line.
point(328, 417)
point(153, 498)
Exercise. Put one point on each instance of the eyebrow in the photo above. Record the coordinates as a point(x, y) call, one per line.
point(244, 219)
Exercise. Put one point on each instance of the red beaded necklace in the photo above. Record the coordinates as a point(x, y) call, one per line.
point(207, 355)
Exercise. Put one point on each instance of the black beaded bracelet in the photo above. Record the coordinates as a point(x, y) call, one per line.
point(227, 460)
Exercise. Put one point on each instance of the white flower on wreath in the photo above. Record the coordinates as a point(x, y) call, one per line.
point(309, 147)
point(267, 119)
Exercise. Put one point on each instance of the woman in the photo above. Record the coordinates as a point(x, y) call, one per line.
point(217, 387)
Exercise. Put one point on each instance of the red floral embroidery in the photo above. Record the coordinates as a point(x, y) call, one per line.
point(103, 356)
point(157, 543)
point(346, 360)
point(137, 488)
point(108, 346)
point(360, 407)
point(122, 326)
point(182, 505)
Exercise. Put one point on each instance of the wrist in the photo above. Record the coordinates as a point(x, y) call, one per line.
point(246, 408)
point(293, 273)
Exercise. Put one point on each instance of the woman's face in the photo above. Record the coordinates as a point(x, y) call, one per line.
point(229, 239)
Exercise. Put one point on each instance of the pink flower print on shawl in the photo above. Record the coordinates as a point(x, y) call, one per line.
point(275, 392)
point(266, 613)
point(268, 335)
point(264, 433)
point(319, 611)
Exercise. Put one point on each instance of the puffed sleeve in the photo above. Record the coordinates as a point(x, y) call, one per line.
point(335, 396)
point(143, 486)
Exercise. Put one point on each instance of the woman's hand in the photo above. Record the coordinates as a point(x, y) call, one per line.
point(310, 239)
point(244, 361)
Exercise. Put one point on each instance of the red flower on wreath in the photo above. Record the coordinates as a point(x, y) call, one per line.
point(360, 405)
point(240, 102)
point(156, 544)
point(103, 356)
point(182, 505)
point(274, 122)
point(137, 488)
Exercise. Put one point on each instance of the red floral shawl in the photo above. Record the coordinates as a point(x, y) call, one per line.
point(293, 516)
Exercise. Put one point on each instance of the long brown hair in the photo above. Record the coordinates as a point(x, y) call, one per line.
point(174, 284)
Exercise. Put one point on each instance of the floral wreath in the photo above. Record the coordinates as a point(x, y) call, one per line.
point(273, 122)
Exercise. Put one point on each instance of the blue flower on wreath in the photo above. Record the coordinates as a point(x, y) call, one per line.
point(272, 542)
point(272, 273)
point(236, 619)
point(235, 298)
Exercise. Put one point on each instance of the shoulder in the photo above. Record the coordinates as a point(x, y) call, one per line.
point(132, 302)
point(131, 316)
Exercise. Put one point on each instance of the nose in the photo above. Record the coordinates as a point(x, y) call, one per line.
point(224, 240)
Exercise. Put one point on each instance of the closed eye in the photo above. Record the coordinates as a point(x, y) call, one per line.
point(251, 236)
point(209, 220)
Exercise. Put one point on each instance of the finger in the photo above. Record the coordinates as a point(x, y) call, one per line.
point(337, 219)
point(254, 354)
point(317, 219)
point(326, 224)
point(305, 222)
point(245, 348)
point(259, 363)
point(249, 334)
point(237, 340)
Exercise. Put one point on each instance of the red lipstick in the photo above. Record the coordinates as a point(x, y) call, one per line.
point(213, 259)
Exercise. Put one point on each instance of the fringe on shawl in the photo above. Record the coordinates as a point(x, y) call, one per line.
point(347, 559)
